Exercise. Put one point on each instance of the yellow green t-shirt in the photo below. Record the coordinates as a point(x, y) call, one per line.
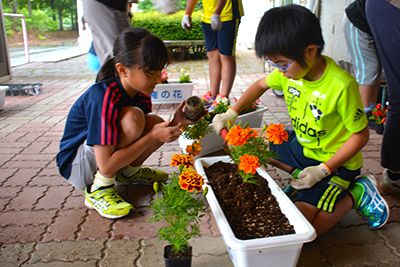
point(325, 112)
point(233, 9)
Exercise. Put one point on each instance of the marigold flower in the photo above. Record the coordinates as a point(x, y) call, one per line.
point(191, 180)
point(194, 149)
point(251, 132)
point(179, 159)
point(248, 163)
point(239, 136)
point(277, 134)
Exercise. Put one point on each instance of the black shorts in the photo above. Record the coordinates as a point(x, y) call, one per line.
point(325, 194)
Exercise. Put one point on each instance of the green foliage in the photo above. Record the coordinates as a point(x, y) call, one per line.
point(185, 77)
point(40, 19)
point(145, 6)
point(149, 5)
point(221, 108)
point(168, 27)
point(198, 130)
point(181, 210)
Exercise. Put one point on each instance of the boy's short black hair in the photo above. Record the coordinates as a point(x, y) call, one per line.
point(287, 31)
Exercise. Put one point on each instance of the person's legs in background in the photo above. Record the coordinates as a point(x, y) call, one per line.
point(228, 74)
point(384, 20)
point(220, 47)
point(227, 48)
point(215, 66)
point(366, 64)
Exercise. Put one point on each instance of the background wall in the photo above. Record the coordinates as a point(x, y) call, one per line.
point(332, 13)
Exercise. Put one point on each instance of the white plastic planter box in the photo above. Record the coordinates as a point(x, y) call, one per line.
point(171, 93)
point(3, 90)
point(279, 251)
point(212, 142)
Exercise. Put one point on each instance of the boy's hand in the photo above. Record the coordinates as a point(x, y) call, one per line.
point(187, 22)
point(310, 176)
point(220, 121)
point(295, 173)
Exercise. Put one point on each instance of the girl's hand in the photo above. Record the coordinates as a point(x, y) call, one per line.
point(165, 133)
point(180, 117)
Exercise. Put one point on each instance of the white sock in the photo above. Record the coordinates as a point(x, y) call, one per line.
point(101, 181)
point(129, 170)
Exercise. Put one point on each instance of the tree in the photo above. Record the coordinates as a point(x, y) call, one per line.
point(60, 15)
point(13, 4)
point(30, 8)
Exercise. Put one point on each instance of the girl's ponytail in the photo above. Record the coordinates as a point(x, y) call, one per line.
point(107, 71)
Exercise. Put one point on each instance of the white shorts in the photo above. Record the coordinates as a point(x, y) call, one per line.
point(83, 167)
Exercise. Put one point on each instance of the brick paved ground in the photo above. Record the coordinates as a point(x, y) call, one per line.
point(43, 220)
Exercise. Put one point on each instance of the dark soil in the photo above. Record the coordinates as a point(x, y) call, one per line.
point(170, 254)
point(251, 210)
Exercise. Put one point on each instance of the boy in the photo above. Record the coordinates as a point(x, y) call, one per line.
point(330, 126)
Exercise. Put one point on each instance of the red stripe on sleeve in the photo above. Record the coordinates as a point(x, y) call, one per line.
point(105, 118)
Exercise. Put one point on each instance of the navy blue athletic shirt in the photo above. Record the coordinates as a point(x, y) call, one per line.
point(94, 117)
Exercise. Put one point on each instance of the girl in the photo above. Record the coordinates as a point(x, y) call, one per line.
point(330, 126)
point(110, 130)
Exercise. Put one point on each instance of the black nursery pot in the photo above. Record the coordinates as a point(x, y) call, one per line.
point(380, 128)
point(178, 262)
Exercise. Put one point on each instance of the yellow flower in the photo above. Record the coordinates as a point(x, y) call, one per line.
point(194, 149)
point(248, 163)
point(191, 180)
point(179, 159)
point(155, 187)
point(277, 134)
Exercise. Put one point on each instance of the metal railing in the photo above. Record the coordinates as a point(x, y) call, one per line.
point(24, 33)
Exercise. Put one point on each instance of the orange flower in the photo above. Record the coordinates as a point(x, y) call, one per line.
point(179, 159)
point(239, 136)
point(248, 164)
point(191, 180)
point(277, 134)
point(194, 149)
point(251, 132)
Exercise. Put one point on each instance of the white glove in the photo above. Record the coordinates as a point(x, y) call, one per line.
point(220, 121)
point(310, 176)
point(187, 22)
point(216, 23)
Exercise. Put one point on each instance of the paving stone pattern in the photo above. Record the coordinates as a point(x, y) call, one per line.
point(43, 220)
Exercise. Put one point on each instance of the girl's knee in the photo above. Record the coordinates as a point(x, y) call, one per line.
point(132, 123)
point(151, 120)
